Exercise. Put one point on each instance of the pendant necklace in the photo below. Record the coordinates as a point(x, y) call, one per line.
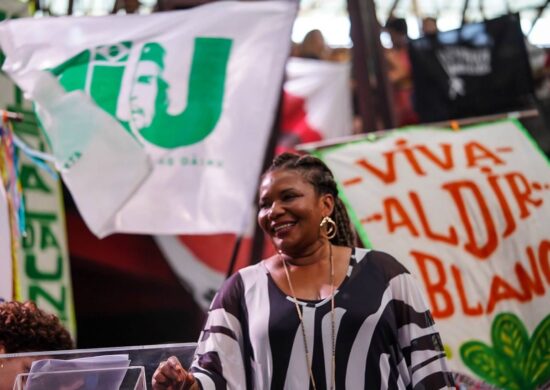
point(300, 316)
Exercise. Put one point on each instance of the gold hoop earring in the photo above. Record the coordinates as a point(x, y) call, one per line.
point(330, 227)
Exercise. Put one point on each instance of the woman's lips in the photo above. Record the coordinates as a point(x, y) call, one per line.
point(282, 229)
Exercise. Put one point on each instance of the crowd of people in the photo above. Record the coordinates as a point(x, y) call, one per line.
point(315, 47)
point(399, 67)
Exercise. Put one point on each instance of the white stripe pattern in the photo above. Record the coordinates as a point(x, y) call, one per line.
point(398, 302)
point(428, 369)
point(355, 372)
point(384, 370)
point(259, 307)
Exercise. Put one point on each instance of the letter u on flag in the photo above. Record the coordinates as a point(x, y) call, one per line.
point(159, 122)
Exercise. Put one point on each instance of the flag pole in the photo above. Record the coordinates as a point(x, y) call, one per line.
point(234, 255)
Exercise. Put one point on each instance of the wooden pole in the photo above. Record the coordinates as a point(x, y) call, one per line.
point(369, 66)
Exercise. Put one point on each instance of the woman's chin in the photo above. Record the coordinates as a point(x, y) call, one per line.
point(289, 248)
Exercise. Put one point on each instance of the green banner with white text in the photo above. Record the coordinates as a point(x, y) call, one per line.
point(43, 273)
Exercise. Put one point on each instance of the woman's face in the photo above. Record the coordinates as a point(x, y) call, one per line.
point(290, 211)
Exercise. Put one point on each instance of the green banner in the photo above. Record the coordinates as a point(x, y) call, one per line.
point(43, 273)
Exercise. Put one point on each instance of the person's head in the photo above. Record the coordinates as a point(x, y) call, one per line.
point(397, 28)
point(149, 90)
point(296, 193)
point(26, 328)
point(429, 25)
point(314, 45)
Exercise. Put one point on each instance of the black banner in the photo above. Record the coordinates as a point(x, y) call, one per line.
point(479, 69)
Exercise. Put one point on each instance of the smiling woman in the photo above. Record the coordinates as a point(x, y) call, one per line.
point(320, 314)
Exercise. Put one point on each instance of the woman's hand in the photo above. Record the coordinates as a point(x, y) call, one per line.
point(170, 375)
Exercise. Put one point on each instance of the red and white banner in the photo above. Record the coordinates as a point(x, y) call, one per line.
point(467, 213)
point(202, 277)
point(202, 262)
point(316, 102)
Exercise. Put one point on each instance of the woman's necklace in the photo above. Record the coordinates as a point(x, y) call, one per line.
point(300, 316)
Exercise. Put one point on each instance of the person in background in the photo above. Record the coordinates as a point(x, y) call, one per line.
point(429, 26)
point(320, 313)
point(314, 46)
point(26, 328)
point(400, 72)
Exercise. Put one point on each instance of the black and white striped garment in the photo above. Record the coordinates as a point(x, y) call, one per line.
point(385, 335)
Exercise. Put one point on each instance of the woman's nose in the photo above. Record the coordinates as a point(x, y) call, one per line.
point(275, 210)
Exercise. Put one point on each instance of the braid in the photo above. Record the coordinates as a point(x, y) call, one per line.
point(321, 178)
point(345, 234)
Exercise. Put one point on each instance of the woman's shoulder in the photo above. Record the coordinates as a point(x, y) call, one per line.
point(254, 270)
point(379, 261)
point(233, 288)
point(245, 273)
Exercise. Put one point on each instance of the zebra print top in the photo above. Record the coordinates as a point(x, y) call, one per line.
point(385, 334)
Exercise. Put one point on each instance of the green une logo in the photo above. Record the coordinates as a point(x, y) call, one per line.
point(131, 84)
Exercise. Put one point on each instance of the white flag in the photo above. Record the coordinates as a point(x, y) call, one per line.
point(196, 89)
point(317, 102)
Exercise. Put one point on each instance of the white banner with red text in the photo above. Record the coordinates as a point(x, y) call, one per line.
point(467, 213)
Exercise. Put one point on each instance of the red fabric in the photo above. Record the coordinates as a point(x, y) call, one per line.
point(121, 275)
point(134, 255)
point(295, 128)
point(216, 250)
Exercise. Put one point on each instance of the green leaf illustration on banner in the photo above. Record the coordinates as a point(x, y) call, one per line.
point(514, 361)
point(511, 340)
point(538, 358)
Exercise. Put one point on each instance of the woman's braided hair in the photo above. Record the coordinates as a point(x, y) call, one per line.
point(321, 178)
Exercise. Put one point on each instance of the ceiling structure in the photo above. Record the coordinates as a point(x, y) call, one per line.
point(331, 16)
